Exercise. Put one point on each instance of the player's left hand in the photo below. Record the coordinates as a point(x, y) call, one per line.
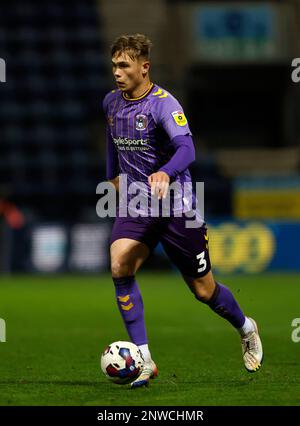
point(159, 183)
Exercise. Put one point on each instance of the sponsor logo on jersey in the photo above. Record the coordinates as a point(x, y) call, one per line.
point(179, 118)
point(131, 144)
point(141, 122)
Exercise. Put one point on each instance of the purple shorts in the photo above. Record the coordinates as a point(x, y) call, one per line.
point(187, 248)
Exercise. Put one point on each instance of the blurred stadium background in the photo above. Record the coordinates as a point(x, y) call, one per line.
point(229, 63)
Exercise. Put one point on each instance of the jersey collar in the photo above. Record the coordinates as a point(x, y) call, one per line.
point(139, 97)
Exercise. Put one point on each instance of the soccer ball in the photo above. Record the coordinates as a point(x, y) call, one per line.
point(122, 362)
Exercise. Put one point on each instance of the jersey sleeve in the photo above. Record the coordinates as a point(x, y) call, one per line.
point(112, 161)
point(105, 103)
point(184, 155)
point(169, 114)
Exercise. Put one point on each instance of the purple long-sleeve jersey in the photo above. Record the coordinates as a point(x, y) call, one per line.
point(140, 133)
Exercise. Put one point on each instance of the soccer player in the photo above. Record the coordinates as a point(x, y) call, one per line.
point(149, 141)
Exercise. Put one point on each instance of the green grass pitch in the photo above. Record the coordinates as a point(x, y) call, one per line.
point(57, 327)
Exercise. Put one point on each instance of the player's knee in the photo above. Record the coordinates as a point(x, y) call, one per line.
point(202, 290)
point(203, 295)
point(120, 269)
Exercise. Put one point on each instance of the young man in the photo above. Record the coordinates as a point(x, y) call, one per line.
point(149, 141)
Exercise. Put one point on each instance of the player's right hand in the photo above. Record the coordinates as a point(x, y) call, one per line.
point(115, 182)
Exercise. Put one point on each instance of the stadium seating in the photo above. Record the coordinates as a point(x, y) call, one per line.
point(51, 103)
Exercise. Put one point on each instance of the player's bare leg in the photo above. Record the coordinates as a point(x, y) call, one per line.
point(127, 256)
point(220, 299)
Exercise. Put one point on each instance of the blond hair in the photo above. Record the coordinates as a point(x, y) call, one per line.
point(136, 45)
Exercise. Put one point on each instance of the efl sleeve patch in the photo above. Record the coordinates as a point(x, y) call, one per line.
point(180, 118)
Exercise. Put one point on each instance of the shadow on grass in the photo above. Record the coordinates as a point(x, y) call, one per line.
point(52, 382)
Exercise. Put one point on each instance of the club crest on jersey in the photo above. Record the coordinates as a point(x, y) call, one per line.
point(141, 122)
point(179, 118)
point(110, 121)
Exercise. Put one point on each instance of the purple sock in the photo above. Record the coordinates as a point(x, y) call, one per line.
point(225, 305)
point(131, 306)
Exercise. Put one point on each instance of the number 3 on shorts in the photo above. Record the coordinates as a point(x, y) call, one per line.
point(202, 261)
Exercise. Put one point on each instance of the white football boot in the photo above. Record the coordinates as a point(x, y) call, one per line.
point(149, 371)
point(252, 349)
